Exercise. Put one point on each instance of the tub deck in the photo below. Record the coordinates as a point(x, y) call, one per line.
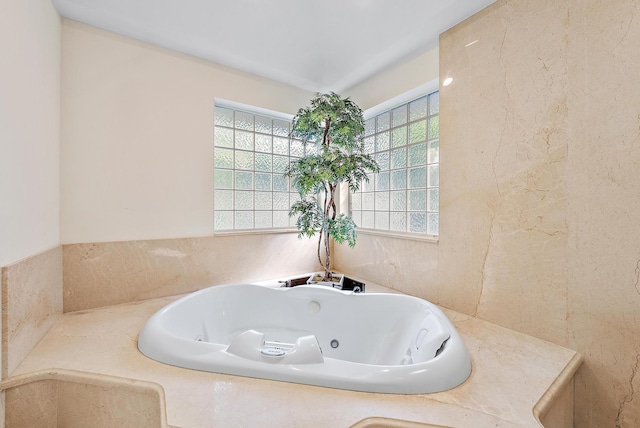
point(515, 379)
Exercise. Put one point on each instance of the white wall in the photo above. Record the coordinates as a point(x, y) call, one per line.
point(396, 80)
point(29, 128)
point(137, 154)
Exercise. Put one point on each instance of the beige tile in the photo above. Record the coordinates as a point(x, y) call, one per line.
point(31, 303)
point(84, 405)
point(68, 398)
point(539, 206)
point(511, 373)
point(32, 405)
point(103, 274)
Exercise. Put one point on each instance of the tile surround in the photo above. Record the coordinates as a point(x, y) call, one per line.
point(108, 273)
point(70, 399)
point(540, 161)
point(512, 372)
point(31, 303)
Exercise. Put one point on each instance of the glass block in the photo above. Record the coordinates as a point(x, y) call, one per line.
point(264, 220)
point(418, 109)
point(368, 219)
point(383, 121)
point(223, 220)
point(398, 222)
point(281, 128)
point(244, 120)
point(433, 171)
point(244, 180)
point(418, 131)
point(399, 137)
point(434, 127)
point(263, 201)
point(418, 154)
point(398, 179)
point(368, 185)
point(281, 200)
point(357, 217)
point(433, 200)
point(292, 187)
point(263, 162)
point(370, 144)
point(311, 149)
point(223, 117)
point(222, 158)
point(243, 219)
point(223, 137)
point(418, 222)
point(399, 116)
point(293, 197)
point(223, 179)
point(433, 225)
point(297, 148)
point(382, 181)
point(382, 220)
point(368, 201)
point(280, 183)
point(382, 141)
point(433, 154)
point(417, 177)
point(281, 145)
point(356, 201)
point(434, 103)
point(223, 200)
point(242, 200)
point(399, 158)
point(417, 200)
point(264, 143)
point(398, 200)
point(263, 181)
point(382, 201)
point(383, 160)
point(281, 219)
point(244, 160)
point(370, 126)
point(244, 140)
point(280, 163)
point(264, 125)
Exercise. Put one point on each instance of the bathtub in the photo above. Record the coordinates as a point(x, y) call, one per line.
point(372, 342)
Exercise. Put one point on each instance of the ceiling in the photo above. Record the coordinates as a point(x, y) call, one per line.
point(320, 46)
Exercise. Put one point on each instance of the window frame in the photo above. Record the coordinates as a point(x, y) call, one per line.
point(404, 98)
point(256, 111)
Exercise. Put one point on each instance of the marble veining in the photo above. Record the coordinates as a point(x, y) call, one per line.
point(109, 273)
point(539, 207)
point(511, 374)
point(31, 303)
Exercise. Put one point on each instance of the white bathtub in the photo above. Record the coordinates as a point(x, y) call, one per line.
point(315, 335)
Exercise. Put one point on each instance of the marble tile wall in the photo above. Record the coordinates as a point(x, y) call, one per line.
point(540, 176)
point(61, 398)
point(103, 274)
point(31, 303)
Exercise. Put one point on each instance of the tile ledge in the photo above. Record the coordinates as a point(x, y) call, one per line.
point(555, 389)
point(94, 379)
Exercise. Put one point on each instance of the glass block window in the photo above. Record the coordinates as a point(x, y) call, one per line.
point(403, 196)
point(251, 152)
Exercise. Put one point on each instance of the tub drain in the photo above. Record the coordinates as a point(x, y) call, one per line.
point(334, 343)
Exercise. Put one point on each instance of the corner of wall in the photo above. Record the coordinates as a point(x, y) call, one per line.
point(31, 303)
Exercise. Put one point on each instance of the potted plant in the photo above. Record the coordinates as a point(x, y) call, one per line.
point(335, 125)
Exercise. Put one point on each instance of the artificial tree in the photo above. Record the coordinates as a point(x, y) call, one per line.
point(335, 125)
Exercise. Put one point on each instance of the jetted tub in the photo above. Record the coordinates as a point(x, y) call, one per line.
point(373, 342)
